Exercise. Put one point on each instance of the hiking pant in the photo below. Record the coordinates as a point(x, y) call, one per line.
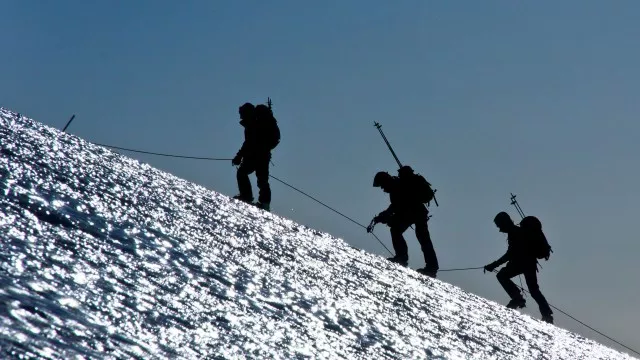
point(259, 164)
point(399, 223)
point(529, 269)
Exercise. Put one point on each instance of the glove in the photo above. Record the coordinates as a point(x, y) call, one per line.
point(237, 160)
point(490, 267)
point(370, 227)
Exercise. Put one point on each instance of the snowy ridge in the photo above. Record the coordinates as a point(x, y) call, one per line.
point(106, 257)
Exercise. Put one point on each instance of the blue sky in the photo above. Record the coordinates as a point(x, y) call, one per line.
point(484, 98)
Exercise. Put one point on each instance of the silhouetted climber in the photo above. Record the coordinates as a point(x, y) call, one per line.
point(408, 192)
point(521, 258)
point(261, 136)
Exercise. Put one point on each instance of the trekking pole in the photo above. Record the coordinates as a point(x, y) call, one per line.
point(69, 123)
point(379, 127)
point(269, 103)
point(515, 204)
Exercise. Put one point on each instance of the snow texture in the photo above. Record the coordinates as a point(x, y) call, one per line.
point(102, 256)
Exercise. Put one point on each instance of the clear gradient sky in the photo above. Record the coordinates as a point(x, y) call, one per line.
point(484, 98)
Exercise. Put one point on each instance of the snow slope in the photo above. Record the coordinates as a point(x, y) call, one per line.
point(104, 257)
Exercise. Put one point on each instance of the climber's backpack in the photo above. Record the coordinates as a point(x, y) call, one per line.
point(538, 244)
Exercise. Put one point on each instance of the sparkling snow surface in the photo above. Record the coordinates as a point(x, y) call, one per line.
point(104, 257)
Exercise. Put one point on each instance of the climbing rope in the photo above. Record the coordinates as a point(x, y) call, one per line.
point(271, 176)
point(282, 182)
point(463, 269)
point(364, 227)
point(160, 154)
point(330, 208)
point(587, 326)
